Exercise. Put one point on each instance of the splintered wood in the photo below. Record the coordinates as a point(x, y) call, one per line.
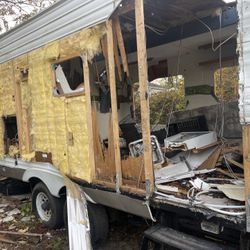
point(118, 33)
point(113, 94)
point(144, 100)
point(210, 163)
point(109, 168)
point(132, 168)
point(104, 170)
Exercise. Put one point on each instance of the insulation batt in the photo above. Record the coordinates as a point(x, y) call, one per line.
point(51, 119)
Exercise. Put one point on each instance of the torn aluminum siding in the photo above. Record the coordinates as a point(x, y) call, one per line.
point(243, 7)
point(61, 19)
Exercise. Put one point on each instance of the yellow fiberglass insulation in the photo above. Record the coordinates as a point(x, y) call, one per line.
point(58, 125)
point(7, 101)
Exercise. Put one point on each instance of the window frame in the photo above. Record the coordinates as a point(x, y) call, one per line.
point(61, 60)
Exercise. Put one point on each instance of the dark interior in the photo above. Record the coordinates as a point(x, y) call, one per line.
point(11, 133)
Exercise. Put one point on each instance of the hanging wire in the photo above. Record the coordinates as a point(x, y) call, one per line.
point(177, 73)
point(212, 34)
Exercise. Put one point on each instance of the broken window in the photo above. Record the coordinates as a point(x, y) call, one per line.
point(11, 134)
point(69, 76)
point(166, 95)
point(226, 82)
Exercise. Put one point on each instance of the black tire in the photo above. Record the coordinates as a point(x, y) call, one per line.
point(244, 241)
point(99, 224)
point(53, 206)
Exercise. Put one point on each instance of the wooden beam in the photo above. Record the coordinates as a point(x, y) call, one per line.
point(2, 138)
point(112, 83)
point(117, 57)
point(246, 163)
point(121, 45)
point(26, 125)
point(19, 113)
point(104, 46)
point(89, 114)
point(144, 95)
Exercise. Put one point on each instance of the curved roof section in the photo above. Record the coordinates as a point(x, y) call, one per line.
point(61, 19)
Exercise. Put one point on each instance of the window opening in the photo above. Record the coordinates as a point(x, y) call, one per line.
point(69, 76)
point(226, 83)
point(167, 95)
point(11, 133)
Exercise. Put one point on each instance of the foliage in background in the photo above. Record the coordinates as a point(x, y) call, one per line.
point(226, 83)
point(13, 12)
point(170, 98)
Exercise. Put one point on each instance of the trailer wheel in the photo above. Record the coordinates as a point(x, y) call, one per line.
point(245, 241)
point(99, 224)
point(47, 207)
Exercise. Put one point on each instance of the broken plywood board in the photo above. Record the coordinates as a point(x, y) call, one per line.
point(132, 168)
point(104, 157)
point(210, 163)
point(178, 169)
point(234, 192)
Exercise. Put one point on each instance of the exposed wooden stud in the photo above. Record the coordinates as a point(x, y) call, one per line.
point(144, 95)
point(112, 83)
point(3, 131)
point(28, 143)
point(89, 114)
point(19, 113)
point(246, 163)
point(121, 45)
point(117, 57)
point(104, 46)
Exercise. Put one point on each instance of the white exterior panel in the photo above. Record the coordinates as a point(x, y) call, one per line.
point(243, 7)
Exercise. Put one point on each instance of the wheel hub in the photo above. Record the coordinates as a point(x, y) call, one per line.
point(43, 206)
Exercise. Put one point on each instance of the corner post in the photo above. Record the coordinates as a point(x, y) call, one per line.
point(89, 113)
point(112, 83)
point(144, 95)
point(246, 163)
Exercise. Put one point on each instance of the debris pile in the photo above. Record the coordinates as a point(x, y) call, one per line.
point(20, 229)
point(203, 171)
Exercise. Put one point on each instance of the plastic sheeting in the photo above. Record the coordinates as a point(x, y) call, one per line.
point(243, 8)
point(52, 119)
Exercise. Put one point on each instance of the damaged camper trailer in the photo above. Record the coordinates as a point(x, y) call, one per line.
point(71, 81)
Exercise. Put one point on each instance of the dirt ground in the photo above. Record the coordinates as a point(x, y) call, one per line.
point(16, 216)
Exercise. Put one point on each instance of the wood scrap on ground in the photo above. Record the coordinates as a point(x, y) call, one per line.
point(22, 234)
point(6, 240)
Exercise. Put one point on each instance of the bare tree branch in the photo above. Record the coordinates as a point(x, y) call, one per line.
point(13, 12)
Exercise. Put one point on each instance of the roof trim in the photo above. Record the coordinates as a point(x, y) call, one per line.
point(61, 19)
